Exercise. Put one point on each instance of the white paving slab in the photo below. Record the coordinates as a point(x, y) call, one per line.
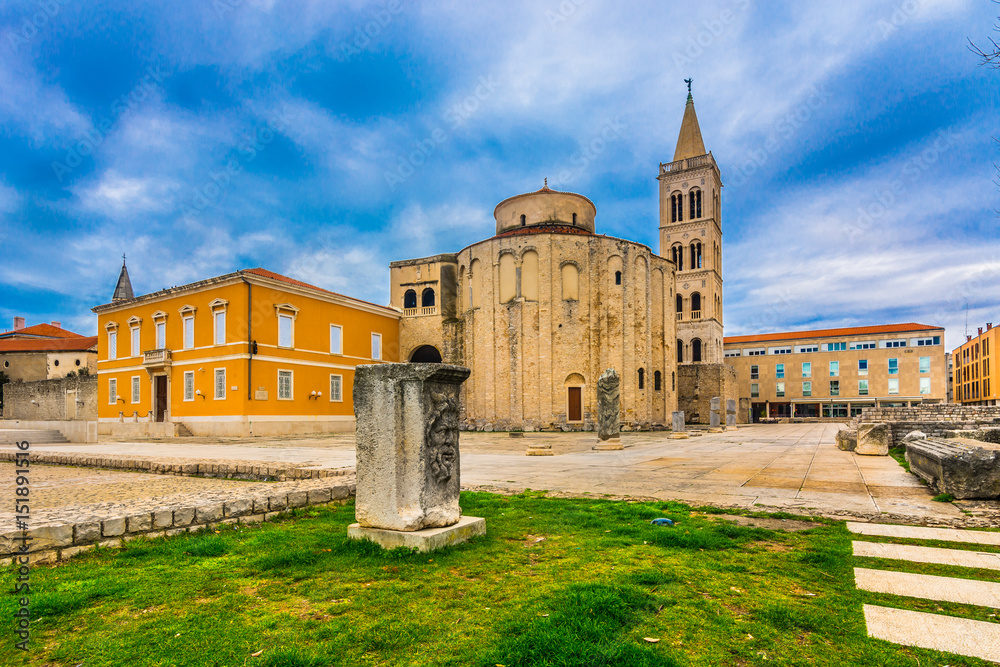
point(963, 636)
point(922, 533)
point(957, 557)
point(929, 587)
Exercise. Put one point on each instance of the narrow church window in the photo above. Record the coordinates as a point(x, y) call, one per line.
point(570, 282)
point(696, 350)
point(680, 351)
point(427, 298)
point(691, 204)
point(523, 219)
point(410, 299)
point(673, 381)
point(657, 378)
point(642, 379)
point(680, 303)
point(574, 219)
point(695, 303)
point(618, 277)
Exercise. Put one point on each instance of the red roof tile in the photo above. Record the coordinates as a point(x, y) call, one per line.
point(44, 330)
point(830, 333)
point(80, 344)
point(264, 273)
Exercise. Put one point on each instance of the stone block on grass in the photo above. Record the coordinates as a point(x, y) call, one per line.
point(113, 527)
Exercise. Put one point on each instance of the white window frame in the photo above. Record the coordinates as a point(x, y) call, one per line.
point(889, 366)
point(136, 389)
point(215, 377)
point(112, 391)
point(834, 369)
point(779, 371)
point(339, 349)
point(216, 316)
point(779, 389)
point(187, 313)
point(807, 369)
point(376, 346)
point(864, 345)
point(112, 343)
point(925, 386)
point(187, 343)
point(832, 392)
point(893, 387)
point(286, 310)
point(291, 385)
point(161, 334)
point(135, 340)
point(340, 398)
point(862, 371)
point(754, 390)
point(807, 388)
point(865, 392)
point(925, 363)
point(188, 396)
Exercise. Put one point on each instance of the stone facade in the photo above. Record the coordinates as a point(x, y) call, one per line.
point(698, 383)
point(539, 310)
point(72, 398)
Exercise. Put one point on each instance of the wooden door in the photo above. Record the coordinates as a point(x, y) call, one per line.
point(161, 397)
point(575, 404)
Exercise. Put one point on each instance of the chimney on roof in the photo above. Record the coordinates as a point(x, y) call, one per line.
point(57, 325)
point(18, 323)
point(980, 331)
point(989, 325)
point(968, 338)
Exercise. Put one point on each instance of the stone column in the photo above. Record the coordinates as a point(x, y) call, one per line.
point(408, 456)
point(677, 426)
point(715, 406)
point(609, 410)
point(731, 413)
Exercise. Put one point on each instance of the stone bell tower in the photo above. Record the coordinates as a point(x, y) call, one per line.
point(691, 236)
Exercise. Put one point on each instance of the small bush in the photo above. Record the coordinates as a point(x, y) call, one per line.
point(943, 498)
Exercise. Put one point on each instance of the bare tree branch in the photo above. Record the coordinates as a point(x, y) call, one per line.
point(990, 55)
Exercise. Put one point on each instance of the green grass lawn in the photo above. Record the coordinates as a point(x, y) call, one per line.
point(554, 582)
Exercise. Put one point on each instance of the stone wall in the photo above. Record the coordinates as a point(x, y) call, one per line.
point(52, 400)
point(698, 383)
point(933, 419)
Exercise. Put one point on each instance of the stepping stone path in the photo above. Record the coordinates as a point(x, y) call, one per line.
point(962, 636)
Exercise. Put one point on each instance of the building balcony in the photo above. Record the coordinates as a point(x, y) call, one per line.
point(680, 316)
point(156, 358)
point(690, 163)
point(421, 311)
point(695, 314)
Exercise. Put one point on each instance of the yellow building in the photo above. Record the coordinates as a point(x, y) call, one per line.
point(248, 353)
point(974, 383)
point(836, 373)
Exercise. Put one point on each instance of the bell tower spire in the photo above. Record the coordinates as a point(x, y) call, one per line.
point(123, 289)
point(691, 237)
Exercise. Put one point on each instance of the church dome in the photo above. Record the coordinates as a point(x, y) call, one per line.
point(545, 209)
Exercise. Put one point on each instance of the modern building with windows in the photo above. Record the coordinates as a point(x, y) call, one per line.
point(247, 353)
point(975, 381)
point(836, 373)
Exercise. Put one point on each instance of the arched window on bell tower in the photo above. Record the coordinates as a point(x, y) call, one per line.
point(680, 306)
point(694, 204)
point(677, 207)
point(678, 256)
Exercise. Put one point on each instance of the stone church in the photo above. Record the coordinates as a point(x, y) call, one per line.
point(542, 308)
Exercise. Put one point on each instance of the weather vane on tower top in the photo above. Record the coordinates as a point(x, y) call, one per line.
point(688, 82)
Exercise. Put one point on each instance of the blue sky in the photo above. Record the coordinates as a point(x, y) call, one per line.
point(324, 139)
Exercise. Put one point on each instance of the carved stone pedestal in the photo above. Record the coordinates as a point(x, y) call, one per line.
point(407, 451)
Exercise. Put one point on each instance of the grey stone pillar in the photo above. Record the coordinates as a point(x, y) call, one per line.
point(730, 413)
point(715, 405)
point(407, 445)
point(609, 405)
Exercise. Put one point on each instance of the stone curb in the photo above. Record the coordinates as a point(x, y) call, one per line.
point(260, 473)
point(55, 542)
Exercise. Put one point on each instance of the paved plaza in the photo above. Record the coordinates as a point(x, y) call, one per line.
point(795, 467)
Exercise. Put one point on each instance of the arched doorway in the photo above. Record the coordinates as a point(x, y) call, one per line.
point(425, 354)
